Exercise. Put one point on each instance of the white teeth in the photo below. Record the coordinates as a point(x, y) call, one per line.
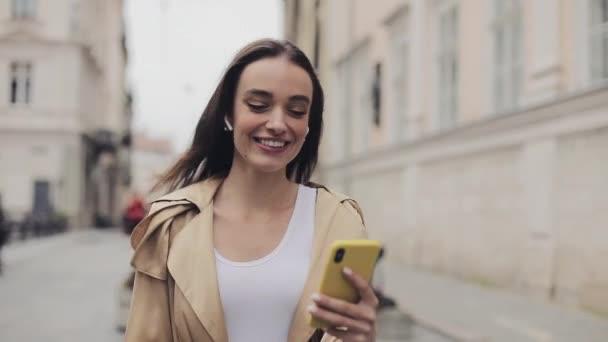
point(272, 143)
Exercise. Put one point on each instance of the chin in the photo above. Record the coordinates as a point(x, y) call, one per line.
point(268, 166)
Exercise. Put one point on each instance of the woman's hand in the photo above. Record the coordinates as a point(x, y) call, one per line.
point(349, 322)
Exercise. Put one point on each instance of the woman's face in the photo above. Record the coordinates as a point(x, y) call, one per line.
point(271, 111)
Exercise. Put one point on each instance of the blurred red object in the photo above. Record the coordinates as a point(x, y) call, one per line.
point(134, 213)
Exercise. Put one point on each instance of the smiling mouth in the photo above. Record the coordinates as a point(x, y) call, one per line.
point(272, 143)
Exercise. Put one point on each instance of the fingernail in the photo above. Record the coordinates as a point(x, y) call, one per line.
point(316, 297)
point(312, 308)
point(347, 271)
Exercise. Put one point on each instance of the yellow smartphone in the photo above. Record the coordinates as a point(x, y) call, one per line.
point(358, 255)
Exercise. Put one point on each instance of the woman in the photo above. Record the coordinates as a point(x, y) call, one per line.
point(235, 252)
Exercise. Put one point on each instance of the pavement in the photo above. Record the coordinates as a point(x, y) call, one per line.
point(66, 288)
point(468, 312)
point(63, 287)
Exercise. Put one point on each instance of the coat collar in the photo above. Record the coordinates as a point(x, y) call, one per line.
point(200, 194)
point(191, 259)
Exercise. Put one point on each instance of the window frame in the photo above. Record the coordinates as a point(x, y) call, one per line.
point(23, 9)
point(507, 55)
point(342, 89)
point(20, 83)
point(361, 70)
point(447, 59)
point(398, 71)
point(598, 35)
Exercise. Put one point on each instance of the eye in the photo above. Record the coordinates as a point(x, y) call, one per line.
point(257, 107)
point(297, 112)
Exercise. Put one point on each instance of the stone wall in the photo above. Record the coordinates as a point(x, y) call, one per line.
point(519, 201)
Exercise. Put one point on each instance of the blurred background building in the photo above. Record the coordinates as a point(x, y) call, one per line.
point(474, 133)
point(64, 109)
point(150, 157)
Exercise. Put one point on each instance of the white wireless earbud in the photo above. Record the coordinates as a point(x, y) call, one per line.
point(228, 126)
point(307, 130)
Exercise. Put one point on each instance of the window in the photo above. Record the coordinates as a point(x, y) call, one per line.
point(24, 9)
point(317, 38)
point(340, 121)
point(295, 20)
point(599, 40)
point(362, 91)
point(447, 64)
point(377, 94)
point(20, 86)
point(398, 74)
point(507, 53)
point(74, 16)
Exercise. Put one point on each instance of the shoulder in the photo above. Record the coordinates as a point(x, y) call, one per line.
point(344, 202)
point(151, 239)
point(161, 212)
point(192, 198)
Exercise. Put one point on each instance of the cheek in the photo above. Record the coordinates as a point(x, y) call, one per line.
point(303, 129)
point(299, 125)
point(244, 122)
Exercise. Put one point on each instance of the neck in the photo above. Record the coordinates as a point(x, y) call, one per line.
point(246, 188)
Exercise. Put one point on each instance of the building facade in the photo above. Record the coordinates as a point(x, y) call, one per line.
point(64, 112)
point(474, 133)
point(150, 157)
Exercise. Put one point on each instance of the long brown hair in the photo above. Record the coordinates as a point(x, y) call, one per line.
point(211, 153)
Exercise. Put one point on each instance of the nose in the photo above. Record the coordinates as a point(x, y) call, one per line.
point(276, 122)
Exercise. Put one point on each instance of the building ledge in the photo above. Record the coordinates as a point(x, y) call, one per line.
point(568, 114)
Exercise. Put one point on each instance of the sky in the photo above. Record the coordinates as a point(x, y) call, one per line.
point(178, 50)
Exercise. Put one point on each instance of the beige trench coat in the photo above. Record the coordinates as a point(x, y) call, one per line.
point(176, 295)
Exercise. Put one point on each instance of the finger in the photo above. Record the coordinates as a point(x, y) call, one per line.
point(337, 320)
point(356, 311)
point(363, 287)
point(342, 335)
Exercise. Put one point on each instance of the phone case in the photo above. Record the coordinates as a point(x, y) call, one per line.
point(359, 255)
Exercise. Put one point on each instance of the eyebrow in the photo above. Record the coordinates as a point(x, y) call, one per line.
point(267, 94)
point(258, 92)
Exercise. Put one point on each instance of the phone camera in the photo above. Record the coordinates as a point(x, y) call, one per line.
point(339, 255)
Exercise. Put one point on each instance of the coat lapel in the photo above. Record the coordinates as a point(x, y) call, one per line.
point(324, 213)
point(191, 262)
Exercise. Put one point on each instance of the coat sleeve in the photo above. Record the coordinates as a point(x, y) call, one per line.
point(149, 315)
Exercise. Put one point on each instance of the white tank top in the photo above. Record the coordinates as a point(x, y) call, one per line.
point(259, 297)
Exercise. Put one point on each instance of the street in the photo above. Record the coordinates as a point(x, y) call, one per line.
point(65, 288)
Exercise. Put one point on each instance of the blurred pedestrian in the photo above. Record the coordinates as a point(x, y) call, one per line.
point(134, 213)
point(4, 232)
point(237, 248)
point(378, 282)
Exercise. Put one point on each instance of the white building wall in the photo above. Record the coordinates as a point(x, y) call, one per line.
point(26, 158)
point(517, 202)
point(77, 87)
point(511, 199)
point(147, 166)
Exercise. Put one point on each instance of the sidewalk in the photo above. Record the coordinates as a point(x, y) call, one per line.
point(64, 287)
point(466, 312)
point(19, 251)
